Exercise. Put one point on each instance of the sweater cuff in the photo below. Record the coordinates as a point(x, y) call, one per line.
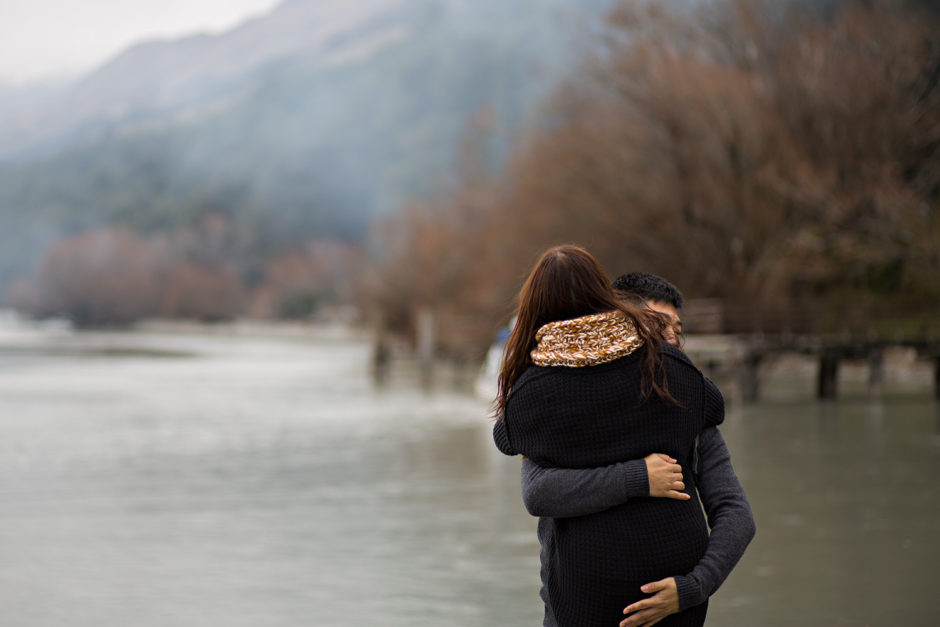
point(636, 478)
point(690, 593)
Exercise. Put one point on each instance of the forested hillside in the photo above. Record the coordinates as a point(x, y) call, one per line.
point(780, 159)
point(301, 125)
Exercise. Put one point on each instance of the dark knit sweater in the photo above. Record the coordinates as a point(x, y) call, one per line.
point(567, 492)
point(593, 416)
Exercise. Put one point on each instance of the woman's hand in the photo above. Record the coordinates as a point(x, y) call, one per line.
point(665, 477)
point(665, 601)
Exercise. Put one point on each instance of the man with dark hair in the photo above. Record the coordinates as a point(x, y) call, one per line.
point(565, 492)
point(649, 287)
point(657, 294)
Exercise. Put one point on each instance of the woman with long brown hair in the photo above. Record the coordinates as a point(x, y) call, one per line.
point(586, 382)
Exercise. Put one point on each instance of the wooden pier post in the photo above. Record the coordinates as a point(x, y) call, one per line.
point(936, 377)
point(425, 331)
point(381, 354)
point(828, 374)
point(876, 371)
point(750, 375)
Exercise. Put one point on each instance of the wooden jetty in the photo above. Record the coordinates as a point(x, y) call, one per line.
point(719, 343)
point(750, 352)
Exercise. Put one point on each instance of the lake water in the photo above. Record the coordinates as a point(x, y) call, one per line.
point(251, 481)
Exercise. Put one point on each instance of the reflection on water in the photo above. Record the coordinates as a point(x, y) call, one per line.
point(267, 482)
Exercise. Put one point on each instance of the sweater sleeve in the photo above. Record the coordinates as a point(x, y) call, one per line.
point(567, 492)
point(729, 518)
point(501, 438)
point(714, 405)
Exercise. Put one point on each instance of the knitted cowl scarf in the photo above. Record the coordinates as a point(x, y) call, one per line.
point(586, 341)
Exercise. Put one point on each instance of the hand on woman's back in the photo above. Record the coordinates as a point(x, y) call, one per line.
point(665, 477)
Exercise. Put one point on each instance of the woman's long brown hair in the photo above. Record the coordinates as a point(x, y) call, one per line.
point(567, 282)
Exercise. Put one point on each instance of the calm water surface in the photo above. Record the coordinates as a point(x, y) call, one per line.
point(267, 482)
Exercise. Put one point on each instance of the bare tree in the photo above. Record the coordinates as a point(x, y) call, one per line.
point(783, 159)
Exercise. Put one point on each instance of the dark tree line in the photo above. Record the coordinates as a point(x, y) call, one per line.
point(208, 271)
point(779, 157)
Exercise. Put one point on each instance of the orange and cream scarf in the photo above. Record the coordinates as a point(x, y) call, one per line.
point(585, 341)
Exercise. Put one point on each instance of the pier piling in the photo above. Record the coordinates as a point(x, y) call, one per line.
point(876, 371)
point(828, 375)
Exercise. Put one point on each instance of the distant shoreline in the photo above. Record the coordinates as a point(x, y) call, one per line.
point(155, 338)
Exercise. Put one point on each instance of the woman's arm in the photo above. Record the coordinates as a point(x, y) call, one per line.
point(714, 405)
point(501, 438)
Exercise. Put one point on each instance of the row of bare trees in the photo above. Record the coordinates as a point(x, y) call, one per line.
point(208, 272)
point(782, 159)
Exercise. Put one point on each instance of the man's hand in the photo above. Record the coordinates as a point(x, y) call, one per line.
point(665, 477)
point(665, 601)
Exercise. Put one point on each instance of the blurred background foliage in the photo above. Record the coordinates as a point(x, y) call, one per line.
point(778, 158)
point(781, 158)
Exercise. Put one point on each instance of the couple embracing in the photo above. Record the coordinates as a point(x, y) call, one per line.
point(621, 452)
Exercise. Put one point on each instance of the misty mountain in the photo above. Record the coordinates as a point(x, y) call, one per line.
point(159, 77)
point(306, 122)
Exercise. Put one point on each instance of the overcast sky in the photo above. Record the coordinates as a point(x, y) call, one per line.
point(53, 38)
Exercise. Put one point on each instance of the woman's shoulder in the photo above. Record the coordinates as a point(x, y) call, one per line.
point(537, 379)
point(713, 401)
point(530, 374)
point(682, 370)
point(676, 358)
point(527, 384)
